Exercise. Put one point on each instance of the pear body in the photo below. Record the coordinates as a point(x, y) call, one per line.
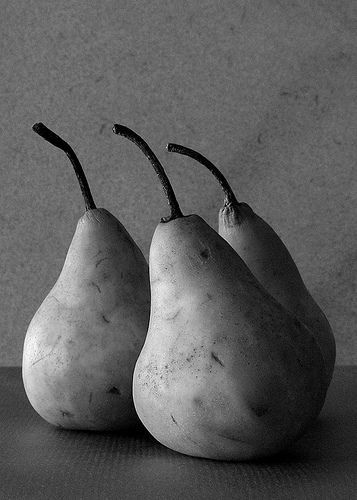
point(225, 372)
point(82, 344)
point(267, 257)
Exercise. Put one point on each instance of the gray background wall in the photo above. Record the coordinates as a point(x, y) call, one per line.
point(266, 89)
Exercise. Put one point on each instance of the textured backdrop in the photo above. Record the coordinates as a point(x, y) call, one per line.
point(266, 89)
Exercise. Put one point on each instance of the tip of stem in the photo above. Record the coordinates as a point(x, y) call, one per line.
point(36, 127)
point(116, 129)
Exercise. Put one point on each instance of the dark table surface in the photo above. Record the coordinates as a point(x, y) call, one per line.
point(41, 462)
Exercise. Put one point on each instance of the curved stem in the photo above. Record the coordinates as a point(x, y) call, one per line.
point(55, 140)
point(230, 198)
point(159, 169)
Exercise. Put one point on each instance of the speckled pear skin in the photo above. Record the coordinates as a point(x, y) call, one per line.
point(82, 344)
point(267, 257)
point(225, 372)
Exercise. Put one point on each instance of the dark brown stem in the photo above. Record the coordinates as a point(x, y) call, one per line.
point(55, 140)
point(230, 198)
point(159, 169)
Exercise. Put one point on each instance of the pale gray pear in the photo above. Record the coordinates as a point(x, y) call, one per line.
point(267, 257)
point(226, 372)
point(82, 344)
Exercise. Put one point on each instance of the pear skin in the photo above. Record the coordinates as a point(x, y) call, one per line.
point(82, 344)
point(225, 372)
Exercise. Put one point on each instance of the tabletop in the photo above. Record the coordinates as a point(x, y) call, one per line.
point(42, 462)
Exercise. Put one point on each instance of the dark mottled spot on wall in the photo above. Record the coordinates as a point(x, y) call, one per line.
point(173, 419)
point(300, 362)
point(114, 390)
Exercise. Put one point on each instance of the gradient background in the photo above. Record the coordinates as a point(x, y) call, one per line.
point(266, 89)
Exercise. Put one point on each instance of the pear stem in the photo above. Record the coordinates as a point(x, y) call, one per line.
point(159, 169)
point(55, 140)
point(230, 198)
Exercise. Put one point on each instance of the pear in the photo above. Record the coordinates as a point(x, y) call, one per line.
point(82, 344)
point(267, 257)
point(226, 372)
